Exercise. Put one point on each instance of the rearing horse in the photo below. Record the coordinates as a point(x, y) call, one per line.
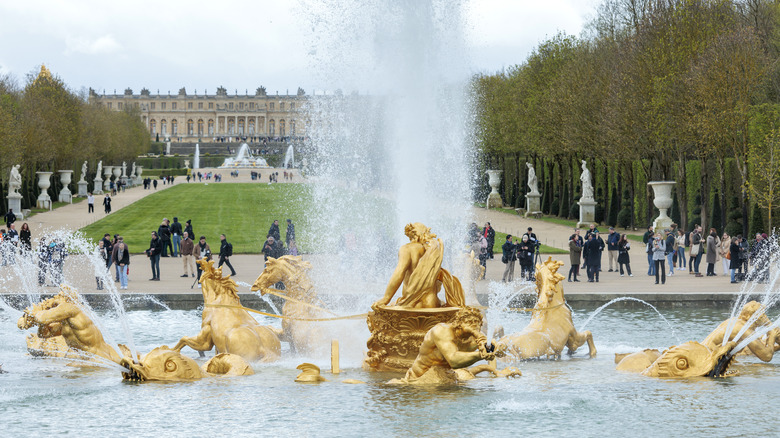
point(303, 336)
point(551, 327)
point(230, 329)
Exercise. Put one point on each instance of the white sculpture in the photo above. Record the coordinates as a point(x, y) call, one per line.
point(124, 168)
point(15, 182)
point(587, 186)
point(99, 170)
point(132, 174)
point(533, 182)
point(83, 172)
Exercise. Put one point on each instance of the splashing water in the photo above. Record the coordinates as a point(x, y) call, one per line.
point(196, 159)
point(499, 298)
point(597, 311)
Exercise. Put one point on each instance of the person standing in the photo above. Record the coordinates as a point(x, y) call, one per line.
point(90, 203)
point(274, 231)
point(613, 239)
point(154, 251)
point(696, 251)
point(670, 251)
point(121, 256)
point(490, 236)
point(226, 250)
point(591, 254)
point(647, 238)
point(713, 247)
point(289, 237)
point(165, 236)
point(203, 251)
point(509, 257)
point(188, 229)
point(25, 237)
point(659, 256)
point(680, 250)
point(107, 204)
point(105, 256)
point(176, 236)
point(725, 245)
point(600, 246)
point(575, 251)
point(735, 262)
point(525, 254)
point(187, 248)
point(623, 258)
point(10, 218)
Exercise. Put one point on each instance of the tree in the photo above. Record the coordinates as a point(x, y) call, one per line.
point(764, 162)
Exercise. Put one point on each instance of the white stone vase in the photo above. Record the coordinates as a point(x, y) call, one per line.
point(663, 201)
point(65, 178)
point(494, 198)
point(44, 182)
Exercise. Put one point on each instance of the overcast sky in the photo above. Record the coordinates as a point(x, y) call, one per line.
point(167, 44)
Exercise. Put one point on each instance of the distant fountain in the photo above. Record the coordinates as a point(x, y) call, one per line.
point(196, 160)
point(244, 160)
point(289, 158)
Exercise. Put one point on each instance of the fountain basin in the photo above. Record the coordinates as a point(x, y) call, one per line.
point(244, 160)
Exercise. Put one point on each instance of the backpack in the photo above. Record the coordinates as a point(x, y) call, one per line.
point(229, 249)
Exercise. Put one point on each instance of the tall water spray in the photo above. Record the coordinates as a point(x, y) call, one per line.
point(289, 157)
point(196, 159)
point(391, 137)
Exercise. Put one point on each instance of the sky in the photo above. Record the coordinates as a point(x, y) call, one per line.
point(168, 44)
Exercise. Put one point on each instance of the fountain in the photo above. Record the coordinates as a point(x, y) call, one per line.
point(244, 160)
point(196, 158)
point(289, 158)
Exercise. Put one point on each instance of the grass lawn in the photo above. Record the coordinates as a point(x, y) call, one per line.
point(544, 249)
point(244, 212)
point(55, 205)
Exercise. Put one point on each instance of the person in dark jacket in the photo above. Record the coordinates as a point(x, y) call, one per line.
point(10, 218)
point(623, 258)
point(647, 239)
point(289, 237)
point(154, 251)
point(25, 237)
point(490, 235)
point(188, 229)
point(121, 256)
point(575, 251)
point(509, 257)
point(274, 231)
point(525, 255)
point(613, 238)
point(225, 251)
point(735, 262)
point(592, 254)
point(176, 234)
point(107, 204)
point(164, 231)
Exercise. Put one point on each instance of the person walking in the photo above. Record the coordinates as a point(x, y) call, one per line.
point(121, 256)
point(154, 251)
point(10, 218)
point(725, 245)
point(680, 250)
point(176, 234)
point(508, 257)
point(575, 252)
point(647, 238)
point(25, 237)
point(613, 238)
point(164, 232)
point(735, 262)
point(187, 248)
point(713, 248)
point(659, 257)
point(226, 250)
point(623, 258)
point(107, 204)
point(289, 236)
point(90, 203)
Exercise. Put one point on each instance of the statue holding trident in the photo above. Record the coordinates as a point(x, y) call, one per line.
point(587, 186)
point(419, 269)
point(533, 183)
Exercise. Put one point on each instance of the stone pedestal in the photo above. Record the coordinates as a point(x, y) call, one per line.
point(83, 188)
point(663, 201)
point(533, 204)
point(65, 194)
point(44, 182)
point(107, 178)
point(97, 187)
point(15, 204)
point(494, 198)
point(397, 333)
point(587, 212)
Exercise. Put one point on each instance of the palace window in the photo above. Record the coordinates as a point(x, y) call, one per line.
point(251, 105)
point(241, 105)
point(174, 127)
point(152, 105)
point(292, 106)
point(292, 127)
point(231, 126)
point(230, 105)
point(189, 105)
point(119, 105)
point(173, 105)
point(190, 126)
point(281, 106)
point(251, 127)
point(211, 127)
point(200, 127)
point(240, 127)
point(164, 127)
point(153, 126)
point(271, 128)
point(211, 105)
point(281, 128)
point(163, 105)
point(200, 105)
point(271, 106)
point(109, 105)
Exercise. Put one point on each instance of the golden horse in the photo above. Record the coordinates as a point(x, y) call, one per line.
point(292, 271)
point(231, 329)
point(551, 327)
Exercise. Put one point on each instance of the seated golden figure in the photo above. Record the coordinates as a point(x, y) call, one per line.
point(451, 346)
point(230, 329)
point(419, 269)
point(61, 316)
point(551, 327)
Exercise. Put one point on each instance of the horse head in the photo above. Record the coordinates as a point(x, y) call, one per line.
point(549, 290)
point(214, 285)
point(285, 269)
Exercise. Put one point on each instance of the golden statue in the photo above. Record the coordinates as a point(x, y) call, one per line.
point(230, 329)
point(164, 364)
point(710, 358)
point(419, 269)
point(398, 331)
point(62, 316)
point(451, 346)
point(304, 336)
point(310, 373)
point(551, 327)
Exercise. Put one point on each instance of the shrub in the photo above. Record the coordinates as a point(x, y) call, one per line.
point(574, 210)
point(624, 218)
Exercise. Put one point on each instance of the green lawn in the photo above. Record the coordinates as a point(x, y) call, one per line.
point(544, 249)
point(55, 205)
point(244, 212)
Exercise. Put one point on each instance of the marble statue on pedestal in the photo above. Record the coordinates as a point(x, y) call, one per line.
point(15, 182)
point(587, 186)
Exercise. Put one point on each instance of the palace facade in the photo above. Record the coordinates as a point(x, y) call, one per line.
point(189, 118)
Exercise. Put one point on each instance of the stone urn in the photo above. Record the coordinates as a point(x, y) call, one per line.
point(65, 178)
point(494, 198)
point(663, 201)
point(117, 172)
point(107, 177)
point(44, 182)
